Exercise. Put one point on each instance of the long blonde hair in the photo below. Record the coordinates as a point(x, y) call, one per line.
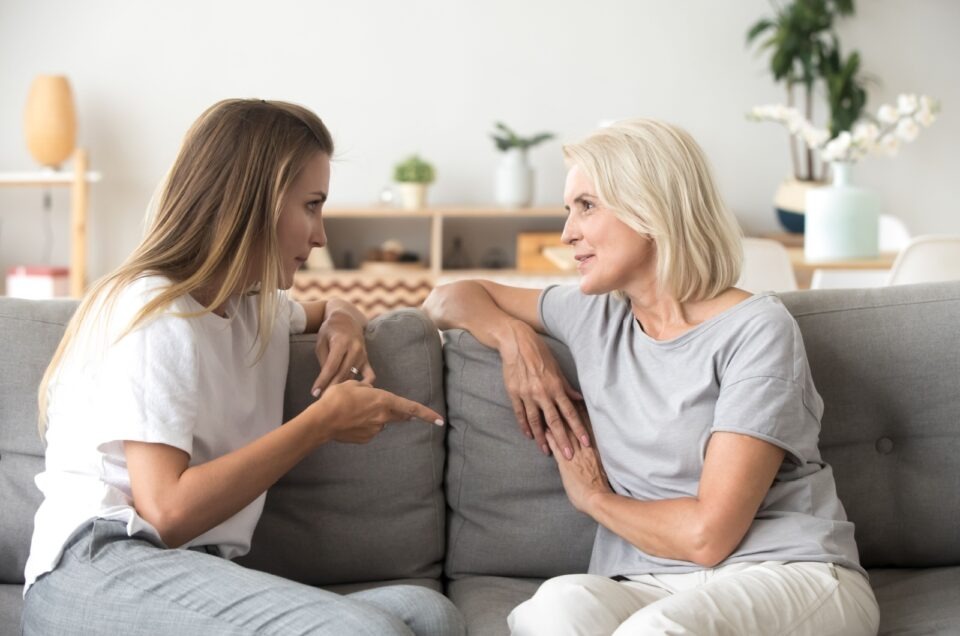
point(655, 178)
point(216, 216)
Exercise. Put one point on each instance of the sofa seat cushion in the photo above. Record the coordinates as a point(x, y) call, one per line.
point(357, 513)
point(11, 608)
point(350, 588)
point(918, 601)
point(486, 601)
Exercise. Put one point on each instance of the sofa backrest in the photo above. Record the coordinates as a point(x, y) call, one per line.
point(29, 334)
point(887, 363)
point(345, 514)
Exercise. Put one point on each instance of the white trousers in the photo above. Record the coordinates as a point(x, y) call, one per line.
point(740, 598)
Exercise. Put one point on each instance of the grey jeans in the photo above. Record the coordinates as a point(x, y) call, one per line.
point(110, 583)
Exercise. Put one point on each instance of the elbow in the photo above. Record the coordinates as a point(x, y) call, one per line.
point(709, 546)
point(166, 521)
point(437, 300)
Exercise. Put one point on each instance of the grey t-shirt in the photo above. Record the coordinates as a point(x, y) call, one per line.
point(654, 405)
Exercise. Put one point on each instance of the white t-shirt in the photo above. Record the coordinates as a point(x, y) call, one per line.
point(190, 383)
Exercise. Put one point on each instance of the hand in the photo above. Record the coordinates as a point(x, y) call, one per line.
point(583, 475)
point(540, 392)
point(355, 412)
point(341, 347)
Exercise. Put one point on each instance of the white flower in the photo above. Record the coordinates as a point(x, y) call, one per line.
point(906, 104)
point(925, 113)
point(838, 148)
point(865, 134)
point(907, 129)
point(814, 137)
point(888, 114)
point(889, 145)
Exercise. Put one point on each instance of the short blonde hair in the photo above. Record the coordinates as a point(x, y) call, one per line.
point(655, 178)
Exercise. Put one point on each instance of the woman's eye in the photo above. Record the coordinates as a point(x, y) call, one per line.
point(313, 205)
point(587, 206)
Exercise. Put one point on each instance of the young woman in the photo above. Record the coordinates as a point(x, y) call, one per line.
point(163, 403)
point(717, 514)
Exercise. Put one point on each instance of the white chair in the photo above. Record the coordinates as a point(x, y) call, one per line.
point(927, 259)
point(893, 237)
point(766, 267)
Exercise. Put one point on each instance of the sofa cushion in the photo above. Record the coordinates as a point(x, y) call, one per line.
point(29, 334)
point(486, 601)
point(355, 513)
point(887, 363)
point(509, 515)
point(925, 601)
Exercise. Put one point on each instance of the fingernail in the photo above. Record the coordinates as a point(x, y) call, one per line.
point(568, 453)
point(316, 392)
point(438, 422)
point(545, 449)
point(585, 440)
point(528, 434)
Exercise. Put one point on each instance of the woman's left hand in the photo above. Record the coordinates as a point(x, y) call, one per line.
point(341, 349)
point(583, 475)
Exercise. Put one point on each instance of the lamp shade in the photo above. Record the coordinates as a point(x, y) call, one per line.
point(49, 121)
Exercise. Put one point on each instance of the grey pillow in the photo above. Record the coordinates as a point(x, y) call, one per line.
point(887, 363)
point(30, 331)
point(355, 513)
point(509, 515)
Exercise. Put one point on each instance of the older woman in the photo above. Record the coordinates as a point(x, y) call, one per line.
point(716, 512)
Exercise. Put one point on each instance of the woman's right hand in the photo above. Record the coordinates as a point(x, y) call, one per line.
point(541, 396)
point(355, 413)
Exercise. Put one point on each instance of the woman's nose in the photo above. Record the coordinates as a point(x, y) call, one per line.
point(319, 236)
point(570, 232)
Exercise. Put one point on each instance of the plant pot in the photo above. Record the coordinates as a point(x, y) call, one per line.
point(413, 196)
point(790, 203)
point(514, 180)
point(842, 220)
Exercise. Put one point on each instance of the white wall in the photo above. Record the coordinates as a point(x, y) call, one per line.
point(431, 76)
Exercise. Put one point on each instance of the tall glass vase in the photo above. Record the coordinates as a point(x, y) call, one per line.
point(841, 220)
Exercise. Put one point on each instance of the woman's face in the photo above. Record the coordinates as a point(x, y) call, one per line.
point(300, 226)
point(610, 255)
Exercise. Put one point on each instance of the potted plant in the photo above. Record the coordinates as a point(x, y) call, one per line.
point(514, 177)
point(804, 53)
point(413, 175)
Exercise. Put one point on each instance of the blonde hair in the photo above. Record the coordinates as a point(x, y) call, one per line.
point(655, 178)
point(215, 217)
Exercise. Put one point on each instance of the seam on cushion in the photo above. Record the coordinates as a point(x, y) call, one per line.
point(439, 524)
point(463, 443)
point(819, 312)
point(34, 320)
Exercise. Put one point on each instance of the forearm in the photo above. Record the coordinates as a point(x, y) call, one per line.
point(205, 495)
point(319, 311)
point(671, 528)
point(467, 305)
point(335, 305)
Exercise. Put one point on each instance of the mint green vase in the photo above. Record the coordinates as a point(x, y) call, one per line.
point(841, 220)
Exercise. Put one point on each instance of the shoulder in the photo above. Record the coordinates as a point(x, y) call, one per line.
point(763, 338)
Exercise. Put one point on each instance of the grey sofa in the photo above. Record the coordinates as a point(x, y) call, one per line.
point(477, 512)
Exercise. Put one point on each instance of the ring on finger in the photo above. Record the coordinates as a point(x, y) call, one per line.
point(355, 372)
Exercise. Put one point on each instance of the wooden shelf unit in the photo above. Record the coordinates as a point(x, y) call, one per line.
point(77, 180)
point(436, 215)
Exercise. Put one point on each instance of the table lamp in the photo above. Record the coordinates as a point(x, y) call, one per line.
point(50, 122)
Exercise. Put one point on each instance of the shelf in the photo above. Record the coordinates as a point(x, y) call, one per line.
point(17, 179)
point(77, 180)
point(384, 212)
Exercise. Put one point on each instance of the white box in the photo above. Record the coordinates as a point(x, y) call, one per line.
point(38, 281)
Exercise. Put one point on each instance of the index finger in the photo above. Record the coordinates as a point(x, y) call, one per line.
point(408, 409)
point(572, 415)
point(328, 370)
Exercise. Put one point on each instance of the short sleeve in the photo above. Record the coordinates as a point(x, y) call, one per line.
point(144, 387)
point(561, 308)
point(766, 390)
point(298, 315)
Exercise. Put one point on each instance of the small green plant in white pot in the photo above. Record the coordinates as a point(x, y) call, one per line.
point(413, 175)
point(514, 178)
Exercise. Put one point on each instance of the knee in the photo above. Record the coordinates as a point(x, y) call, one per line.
point(430, 613)
point(559, 606)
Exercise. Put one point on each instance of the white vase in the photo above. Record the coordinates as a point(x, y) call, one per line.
point(514, 179)
point(841, 220)
point(413, 196)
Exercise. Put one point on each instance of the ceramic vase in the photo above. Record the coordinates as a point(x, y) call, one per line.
point(790, 202)
point(514, 179)
point(413, 196)
point(841, 220)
